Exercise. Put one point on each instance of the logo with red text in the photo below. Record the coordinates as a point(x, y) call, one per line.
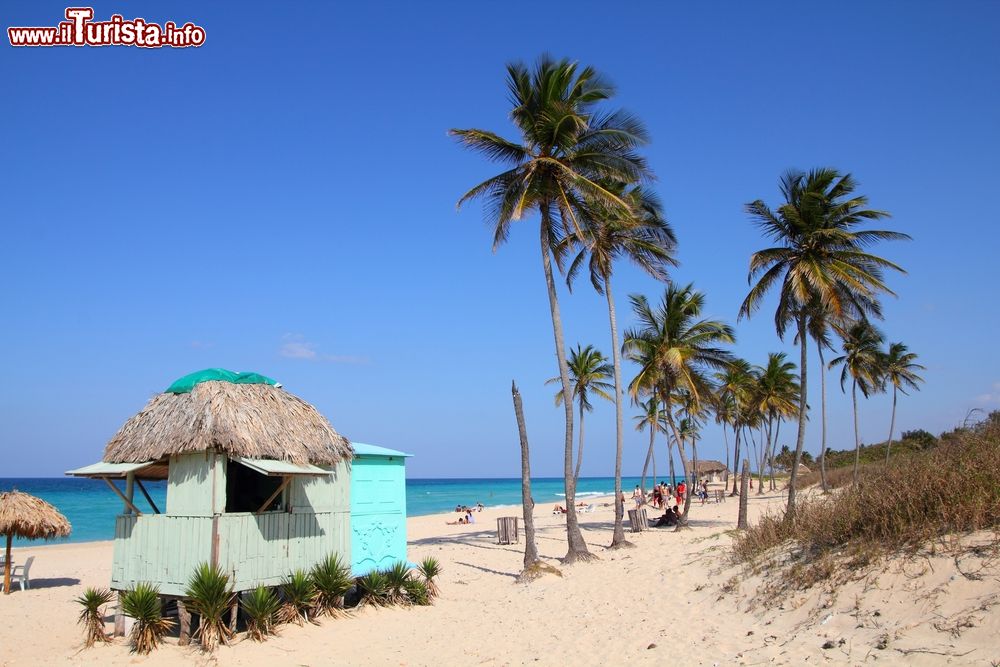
point(80, 29)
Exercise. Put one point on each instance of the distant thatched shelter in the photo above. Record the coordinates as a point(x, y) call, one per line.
point(258, 483)
point(712, 471)
point(23, 515)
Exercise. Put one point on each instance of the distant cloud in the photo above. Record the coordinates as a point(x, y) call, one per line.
point(990, 397)
point(296, 347)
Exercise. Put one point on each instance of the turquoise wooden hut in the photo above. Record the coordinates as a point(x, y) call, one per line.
point(258, 482)
point(378, 508)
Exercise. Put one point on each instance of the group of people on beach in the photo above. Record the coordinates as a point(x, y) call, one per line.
point(466, 512)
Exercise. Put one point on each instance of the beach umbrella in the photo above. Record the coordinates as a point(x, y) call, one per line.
point(23, 515)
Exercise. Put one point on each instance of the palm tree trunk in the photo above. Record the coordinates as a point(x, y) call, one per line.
point(765, 430)
point(741, 522)
point(682, 522)
point(770, 460)
point(579, 450)
point(736, 458)
point(527, 503)
point(892, 425)
point(857, 435)
point(670, 457)
point(800, 439)
point(618, 537)
point(725, 438)
point(645, 466)
point(822, 446)
point(576, 546)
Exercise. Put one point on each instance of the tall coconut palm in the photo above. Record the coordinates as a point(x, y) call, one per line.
point(820, 255)
point(589, 372)
point(860, 362)
point(567, 145)
point(643, 236)
point(898, 367)
point(733, 384)
point(675, 349)
point(818, 327)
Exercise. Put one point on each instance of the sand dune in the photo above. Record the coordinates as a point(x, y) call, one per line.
point(673, 597)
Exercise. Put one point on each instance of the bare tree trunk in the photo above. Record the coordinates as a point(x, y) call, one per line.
point(822, 446)
point(579, 450)
point(800, 439)
point(857, 435)
point(527, 503)
point(682, 521)
point(670, 457)
point(765, 429)
point(618, 537)
point(576, 546)
point(892, 425)
point(741, 523)
point(770, 460)
point(725, 438)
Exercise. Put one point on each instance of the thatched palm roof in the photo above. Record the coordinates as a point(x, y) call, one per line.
point(23, 515)
point(709, 465)
point(258, 421)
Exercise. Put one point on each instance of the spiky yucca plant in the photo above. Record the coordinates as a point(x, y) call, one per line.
point(211, 596)
point(429, 569)
point(142, 603)
point(261, 607)
point(299, 595)
point(396, 577)
point(92, 615)
point(416, 592)
point(374, 589)
point(332, 578)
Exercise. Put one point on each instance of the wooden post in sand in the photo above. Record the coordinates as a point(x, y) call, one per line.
point(6, 565)
point(741, 523)
point(184, 616)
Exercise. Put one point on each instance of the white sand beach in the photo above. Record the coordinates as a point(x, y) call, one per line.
point(671, 598)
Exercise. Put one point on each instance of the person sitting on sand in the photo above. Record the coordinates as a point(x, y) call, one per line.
point(558, 509)
point(469, 518)
point(461, 521)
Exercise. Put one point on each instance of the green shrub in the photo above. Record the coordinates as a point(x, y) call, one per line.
point(429, 569)
point(92, 615)
point(416, 592)
point(299, 596)
point(374, 589)
point(396, 577)
point(143, 605)
point(210, 596)
point(332, 578)
point(261, 607)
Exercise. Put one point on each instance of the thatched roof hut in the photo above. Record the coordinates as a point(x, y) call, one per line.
point(24, 515)
point(708, 467)
point(257, 421)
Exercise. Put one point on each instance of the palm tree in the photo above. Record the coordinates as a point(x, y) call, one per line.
point(898, 368)
point(674, 349)
point(643, 236)
point(860, 362)
point(819, 256)
point(589, 371)
point(650, 417)
point(734, 384)
point(566, 146)
point(775, 399)
point(818, 327)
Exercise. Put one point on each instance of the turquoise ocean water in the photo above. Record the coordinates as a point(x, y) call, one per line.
point(91, 506)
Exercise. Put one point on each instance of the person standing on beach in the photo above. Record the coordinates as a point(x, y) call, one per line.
point(637, 496)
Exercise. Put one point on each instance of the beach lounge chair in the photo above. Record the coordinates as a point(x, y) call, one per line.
point(19, 573)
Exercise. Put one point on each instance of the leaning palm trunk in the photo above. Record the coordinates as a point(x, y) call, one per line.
point(579, 449)
point(892, 426)
point(800, 439)
point(736, 459)
point(822, 446)
point(670, 456)
point(576, 547)
point(770, 464)
point(725, 437)
point(645, 466)
point(857, 435)
point(765, 444)
point(618, 536)
point(527, 504)
point(682, 522)
point(741, 522)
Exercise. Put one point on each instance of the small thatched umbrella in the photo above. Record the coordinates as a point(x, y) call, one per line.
point(23, 515)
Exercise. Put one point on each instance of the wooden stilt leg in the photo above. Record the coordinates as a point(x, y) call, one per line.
point(119, 618)
point(233, 612)
point(184, 616)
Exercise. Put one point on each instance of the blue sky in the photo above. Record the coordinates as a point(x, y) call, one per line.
point(282, 200)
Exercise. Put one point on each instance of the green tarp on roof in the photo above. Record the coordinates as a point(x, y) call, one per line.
point(185, 384)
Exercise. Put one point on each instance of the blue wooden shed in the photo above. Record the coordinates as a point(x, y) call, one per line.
point(378, 508)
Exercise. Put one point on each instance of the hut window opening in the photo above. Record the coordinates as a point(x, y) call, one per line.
point(247, 490)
